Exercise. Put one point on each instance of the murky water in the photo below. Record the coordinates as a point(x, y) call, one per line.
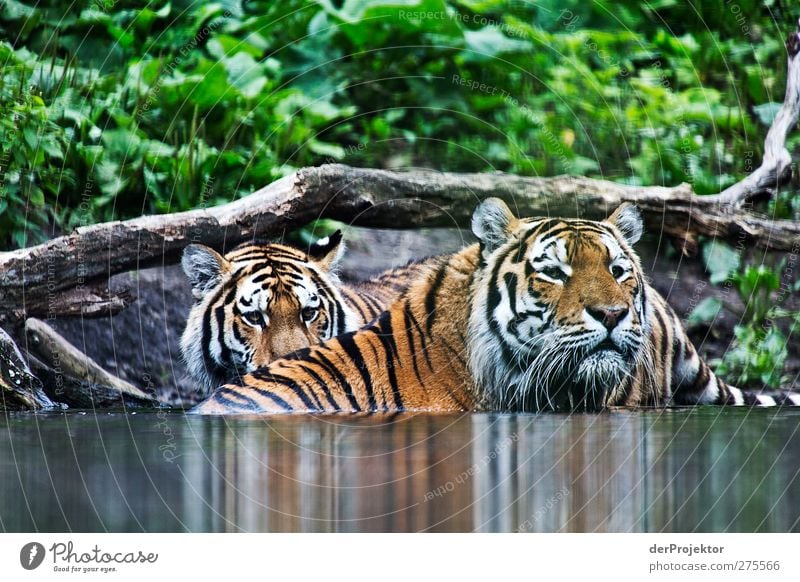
point(703, 469)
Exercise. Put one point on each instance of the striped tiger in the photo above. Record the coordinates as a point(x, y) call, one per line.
point(261, 301)
point(543, 314)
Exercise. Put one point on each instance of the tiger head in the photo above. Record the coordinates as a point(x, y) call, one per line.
point(260, 302)
point(560, 318)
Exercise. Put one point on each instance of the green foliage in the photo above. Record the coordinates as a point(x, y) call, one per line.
point(720, 260)
point(758, 354)
point(756, 358)
point(112, 118)
point(32, 151)
point(705, 312)
point(110, 109)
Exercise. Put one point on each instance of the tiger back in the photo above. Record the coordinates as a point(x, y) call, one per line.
point(261, 301)
point(543, 314)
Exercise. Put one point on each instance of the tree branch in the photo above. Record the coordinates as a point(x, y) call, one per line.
point(35, 279)
point(776, 167)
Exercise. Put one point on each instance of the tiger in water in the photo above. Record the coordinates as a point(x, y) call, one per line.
point(261, 301)
point(543, 314)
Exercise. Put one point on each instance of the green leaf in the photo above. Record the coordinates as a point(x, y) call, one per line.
point(52, 149)
point(157, 149)
point(204, 14)
point(720, 260)
point(489, 42)
point(328, 150)
point(380, 127)
point(36, 196)
point(766, 112)
point(121, 142)
point(225, 45)
point(29, 133)
point(705, 312)
point(164, 11)
point(757, 278)
point(211, 88)
point(579, 166)
point(245, 74)
point(122, 36)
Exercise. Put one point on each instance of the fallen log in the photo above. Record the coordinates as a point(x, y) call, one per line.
point(66, 360)
point(91, 300)
point(364, 197)
point(79, 393)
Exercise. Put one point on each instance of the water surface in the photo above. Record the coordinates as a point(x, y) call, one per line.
point(704, 469)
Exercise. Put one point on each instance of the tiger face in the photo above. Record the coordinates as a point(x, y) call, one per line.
point(257, 303)
point(560, 318)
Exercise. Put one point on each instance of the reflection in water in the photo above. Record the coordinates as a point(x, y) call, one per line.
point(698, 470)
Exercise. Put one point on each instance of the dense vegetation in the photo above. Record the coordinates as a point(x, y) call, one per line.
point(110, 109)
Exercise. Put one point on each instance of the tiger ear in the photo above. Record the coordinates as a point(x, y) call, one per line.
point(327, 251)
point(628, 219)
point(204, 267)
point(492, 222)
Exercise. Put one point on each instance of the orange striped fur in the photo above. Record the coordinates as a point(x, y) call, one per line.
point(542, 314)
point(262, 301)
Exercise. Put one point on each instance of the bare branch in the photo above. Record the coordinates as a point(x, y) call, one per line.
point(776, 167)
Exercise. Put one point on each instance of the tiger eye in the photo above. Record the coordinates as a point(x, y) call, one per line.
point(255, 318)
point(309, 314)
point(554, 273)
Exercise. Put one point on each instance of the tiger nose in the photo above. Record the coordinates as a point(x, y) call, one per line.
point(608, 316)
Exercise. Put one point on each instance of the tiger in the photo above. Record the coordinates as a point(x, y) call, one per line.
point(263, 300)
point(541, 314)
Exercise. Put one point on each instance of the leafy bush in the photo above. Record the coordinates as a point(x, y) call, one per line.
point(758, 354)
point(110, 109)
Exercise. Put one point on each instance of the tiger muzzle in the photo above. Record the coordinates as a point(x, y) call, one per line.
point(608, 316)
